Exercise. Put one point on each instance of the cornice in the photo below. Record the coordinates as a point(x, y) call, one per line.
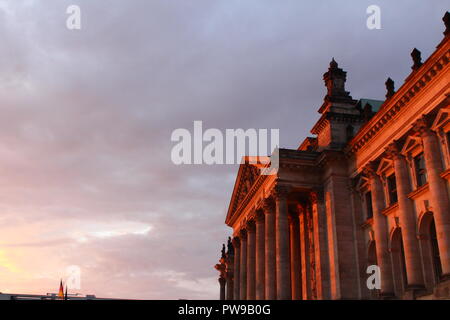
point(389, 210)
point(419, 191)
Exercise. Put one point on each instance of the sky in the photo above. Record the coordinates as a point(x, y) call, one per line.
point(86, 118)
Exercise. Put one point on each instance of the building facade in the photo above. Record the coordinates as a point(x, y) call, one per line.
point(371, 188)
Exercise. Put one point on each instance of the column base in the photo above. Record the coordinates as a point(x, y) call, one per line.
point(413, 291)
point(442, 290)
point(444, 277)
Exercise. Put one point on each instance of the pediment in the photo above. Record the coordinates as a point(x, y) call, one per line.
point(362, 182)
point(246, 178)
point(385, 164)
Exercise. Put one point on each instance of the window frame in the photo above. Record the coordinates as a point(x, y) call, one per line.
point(418, 174)
point(390, 192)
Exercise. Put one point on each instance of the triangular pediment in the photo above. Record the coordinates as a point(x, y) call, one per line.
point(442, 119)
point(246, 178)
point(384, 165)
point(362, 182)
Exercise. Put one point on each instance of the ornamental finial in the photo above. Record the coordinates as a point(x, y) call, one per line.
point(390, 88)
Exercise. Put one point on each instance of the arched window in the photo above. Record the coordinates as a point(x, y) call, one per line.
point(430, 250)
point(398, 262)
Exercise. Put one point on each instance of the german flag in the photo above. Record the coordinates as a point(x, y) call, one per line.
point(61, 290)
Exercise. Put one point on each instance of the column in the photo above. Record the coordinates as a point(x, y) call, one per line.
point(295, 256)
point(229, 263)
point(438, 190)
point(237, 266)
point(304, 255)
point(260, 247)
point(381, 232)
point(270, 251)
point(321, 249)
point(282, 244)
point(413, 264)
point(243, 269)
point(222, 282)
point(251, 262)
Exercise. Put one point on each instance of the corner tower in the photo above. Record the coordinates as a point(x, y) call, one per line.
point(340, 118)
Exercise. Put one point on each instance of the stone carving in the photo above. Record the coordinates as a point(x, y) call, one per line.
point(250, 174)
point(370, 170)
point(390, 88)
point(422, 126)
point(280, 191)
point(259, 217)
point(224, 255)
point(392, 151)
point(446, 20)
point(222, 270)
point(268, 205)
point(417, 59)
point(236, 242)
point(230, 247)
point(251, 226)
point(335, 79)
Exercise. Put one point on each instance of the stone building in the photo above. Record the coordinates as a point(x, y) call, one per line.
point(370, 188)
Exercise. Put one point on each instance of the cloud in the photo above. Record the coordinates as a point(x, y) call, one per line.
point(86, 119)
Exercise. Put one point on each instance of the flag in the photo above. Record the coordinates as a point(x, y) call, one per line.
point(61, 290)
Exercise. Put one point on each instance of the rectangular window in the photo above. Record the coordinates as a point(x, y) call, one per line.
point(421, 172)
point(392, 189)
point(368, 200)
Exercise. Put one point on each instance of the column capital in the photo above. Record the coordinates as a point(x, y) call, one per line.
point(422, 127)
point(316, 196)
point(300, 208)
point(222, 281)
point(280, 191)
point(243, 234)
point(392, 151)
point(230, 248)
point(259, 216)
point(268, 205)
point(221, 268)
point(293, 217)
point(250, 226)
point(370, 170)
point(236, 242)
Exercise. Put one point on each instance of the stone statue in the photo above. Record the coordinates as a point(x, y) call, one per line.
point(230, 247)
point(223, 251)
point(390, 88)
point(417, 59)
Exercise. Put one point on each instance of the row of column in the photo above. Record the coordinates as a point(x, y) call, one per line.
point(267, 261)
point(439, 202)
